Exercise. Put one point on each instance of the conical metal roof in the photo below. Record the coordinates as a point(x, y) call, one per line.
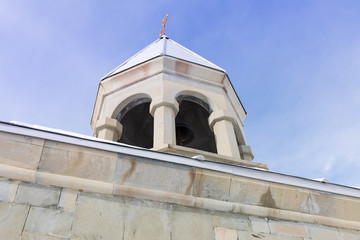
point(163, 47)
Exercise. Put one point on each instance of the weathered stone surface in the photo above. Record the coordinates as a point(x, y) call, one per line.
point(333, 205)
point(243, 235)
point(17, 173)
point(223, 128)
point(153, 195)
point(76, 183)
point(189, 223)
point(289, 197)
point(77, 161)
point(35, 236)
point(98, 217)
point(109, 129)
point(164, 124)
point(8, 190)
point(213, 204)
point(225, 234)
point(230, 220)
point(349, 235)
point(12, 220)
point(147, 220)
point(211, 184)
point(318, 232)
point(50, 222)
point(37, 195)
point(20, 151)
point(68, 199)
point(288, 228)
point(77, 148)
point(259, 225)
point(155, 175)
point(249, 191)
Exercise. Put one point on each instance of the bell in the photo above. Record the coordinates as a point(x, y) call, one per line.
point(184, 134)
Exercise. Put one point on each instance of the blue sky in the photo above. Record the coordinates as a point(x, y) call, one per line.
point(294, 64)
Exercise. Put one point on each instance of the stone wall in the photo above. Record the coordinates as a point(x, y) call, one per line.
point(34, 211)
point(57, 190)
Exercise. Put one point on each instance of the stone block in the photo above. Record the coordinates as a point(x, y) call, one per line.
point(332, 205)
point(98, 217)
point(20, 151)
point(231, 221)
point(12, 220)
point(155, 175)
point(78, 148)
point(35, 236)
point(191, 223)
point(211, 184)
point(8, 190)
point(77, 161)
point(225, 234)
point(243, 235)
point(288, 228)
point(147, 220)
point(249, 191)
point(37, 195)
point(349, 234)
point(68, 199)
point(50, 222)
point(259, 225)
point(318, 232)
point(289, 198)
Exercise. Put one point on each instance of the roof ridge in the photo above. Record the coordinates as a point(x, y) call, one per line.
point(197, 55)
point(132, 57)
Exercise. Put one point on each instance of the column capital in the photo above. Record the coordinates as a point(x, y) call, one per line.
point(107, 124)
point(164, 101)
point(221, 115)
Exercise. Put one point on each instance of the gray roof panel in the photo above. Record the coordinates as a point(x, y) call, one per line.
point(163, 47)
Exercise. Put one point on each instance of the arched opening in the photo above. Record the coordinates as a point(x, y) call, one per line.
point(137, 122)
point(192, 127)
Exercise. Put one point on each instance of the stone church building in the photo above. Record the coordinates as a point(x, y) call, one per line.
point(168, 161)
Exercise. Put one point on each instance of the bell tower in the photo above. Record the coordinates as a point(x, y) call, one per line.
point(167, 98)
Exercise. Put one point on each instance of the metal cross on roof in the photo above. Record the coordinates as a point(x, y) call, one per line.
point(162, 33)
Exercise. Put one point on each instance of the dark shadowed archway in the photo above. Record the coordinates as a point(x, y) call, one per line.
point(192, 127)
point(137, 122)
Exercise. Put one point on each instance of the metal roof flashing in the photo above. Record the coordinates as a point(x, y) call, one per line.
point(254, 173)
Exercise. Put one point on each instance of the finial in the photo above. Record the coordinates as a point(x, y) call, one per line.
point(162, 33)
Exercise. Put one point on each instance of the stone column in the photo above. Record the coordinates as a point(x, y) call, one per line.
point(164, 112)
point(246, 153)
point(109, 129)
point(221, 123)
